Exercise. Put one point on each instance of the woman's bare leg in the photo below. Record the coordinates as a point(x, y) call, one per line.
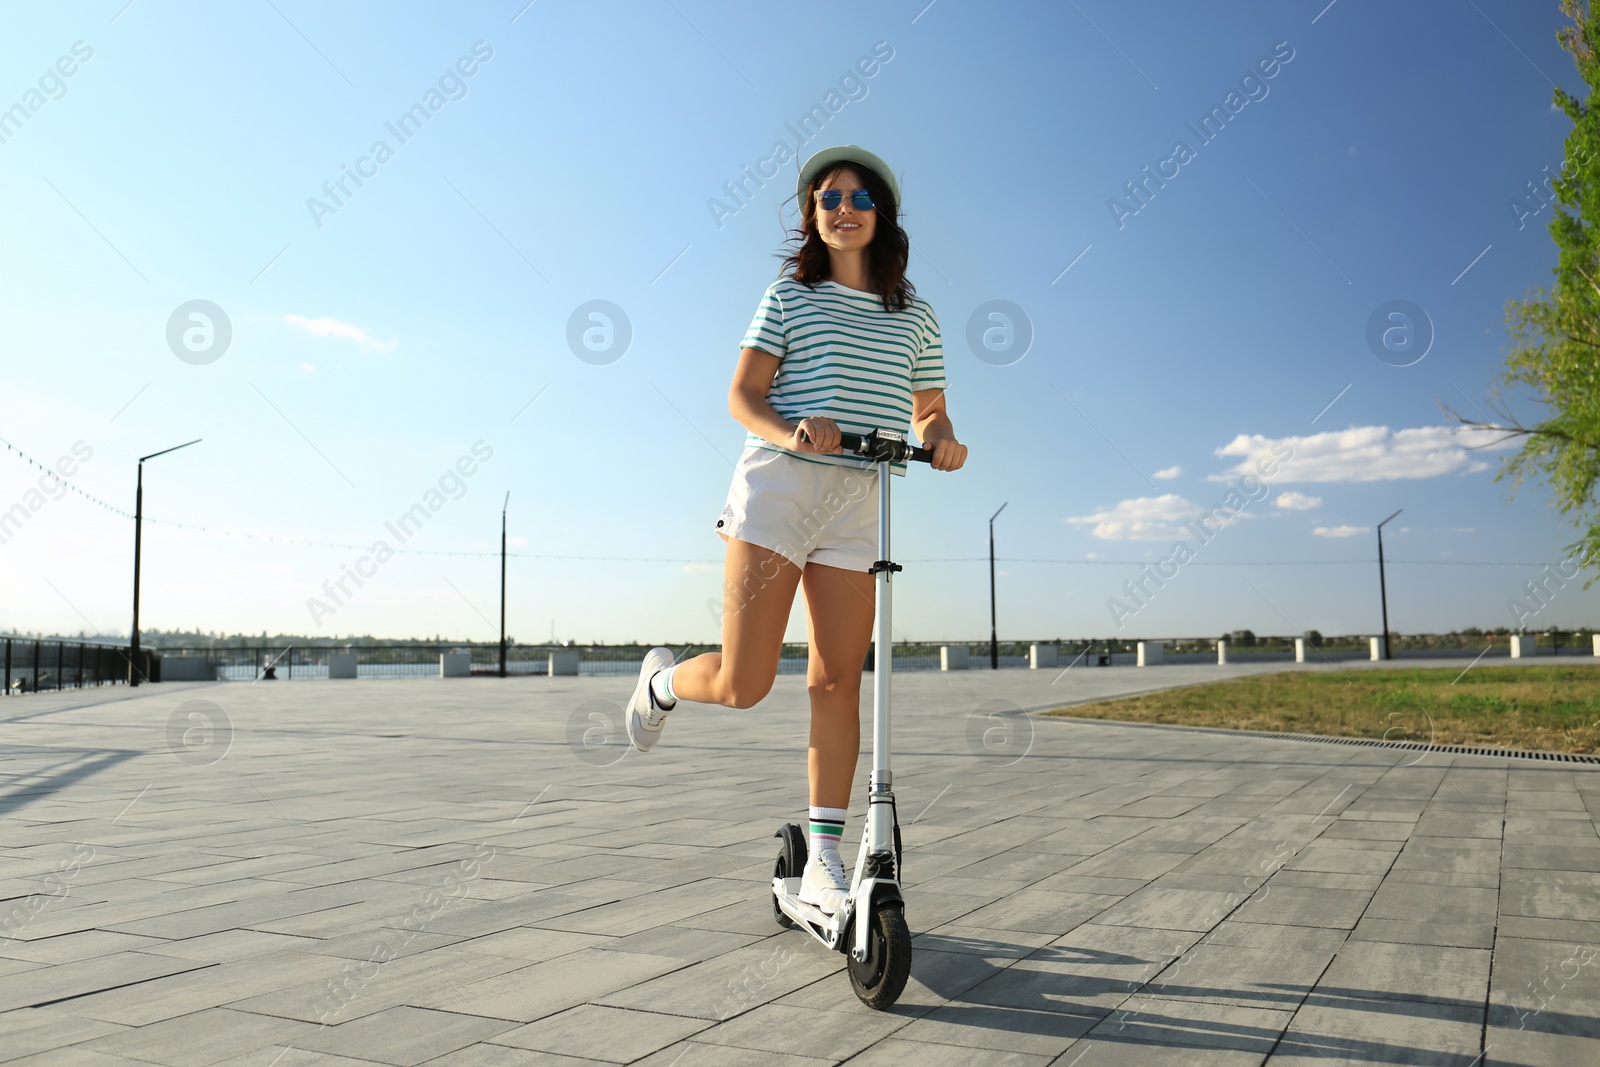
point(839, 611)
point(757, 593)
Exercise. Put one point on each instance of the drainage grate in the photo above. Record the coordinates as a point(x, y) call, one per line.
point(1463, 750)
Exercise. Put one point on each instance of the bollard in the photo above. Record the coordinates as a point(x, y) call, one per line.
point(953, 657)
point(1524, 645)
point(1376, 646)
point(1299, 650)
point(1150, 653)
point(1222, 652)
point(1041, 656)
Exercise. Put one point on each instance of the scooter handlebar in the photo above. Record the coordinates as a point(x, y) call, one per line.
point(883, 445)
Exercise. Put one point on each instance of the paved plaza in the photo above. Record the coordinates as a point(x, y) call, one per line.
point(477, 872)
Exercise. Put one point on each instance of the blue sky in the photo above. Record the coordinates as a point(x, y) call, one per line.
point(377, 339)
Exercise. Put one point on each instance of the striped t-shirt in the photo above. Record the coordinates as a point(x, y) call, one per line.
point(846, 358)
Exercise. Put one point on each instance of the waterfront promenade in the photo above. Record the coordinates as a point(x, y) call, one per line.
point(474, 871)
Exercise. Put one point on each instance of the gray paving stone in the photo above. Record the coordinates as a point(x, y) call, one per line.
point(1037, 911)
point(735, 982)
point(402, 1035)
point(615, 1035)
point(774, 1028)
point(1420, 903)
point(1103, 1051)
point(1045, 1030)
point(1245, 976)
point(82, 945)
point(35, 1031)
point(229, 945)
point(26, 989)
point(485, 1054)
point(1485, 880)
point(1353, 1031)
point(201, 1038)
point(1376, 969)
point(894, 1052)
point(1299, 906)
point(1416, 932)
point(1550, 894)
point(1173, 909)
point(699, 1054)
point(1546, 987)
point(1165, 1021)
point(1326, 880)
point(1320, 857)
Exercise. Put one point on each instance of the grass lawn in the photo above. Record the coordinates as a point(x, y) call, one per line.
point(1553, 709)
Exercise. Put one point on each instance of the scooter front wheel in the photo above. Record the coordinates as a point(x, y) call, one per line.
point(880, 980)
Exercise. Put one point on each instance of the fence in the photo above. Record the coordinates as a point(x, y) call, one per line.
point(31, 665)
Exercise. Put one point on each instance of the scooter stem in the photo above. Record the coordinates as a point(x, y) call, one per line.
point(880, 815)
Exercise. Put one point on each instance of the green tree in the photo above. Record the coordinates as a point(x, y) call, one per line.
point(1555, 332)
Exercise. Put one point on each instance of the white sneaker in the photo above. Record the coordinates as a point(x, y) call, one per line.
point(645, 717)
point(824, 883)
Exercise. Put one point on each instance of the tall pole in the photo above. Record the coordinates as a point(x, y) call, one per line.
point(503, 508)
point(138, 538)
point(1383, 592)
point(138, 533)
point(994, 643)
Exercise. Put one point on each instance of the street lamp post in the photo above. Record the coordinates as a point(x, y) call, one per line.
point(503, 508)
point(1383, 592)
point(138, 538)
point(994, 644)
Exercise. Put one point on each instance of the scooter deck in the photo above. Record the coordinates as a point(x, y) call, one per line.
point(811, 918)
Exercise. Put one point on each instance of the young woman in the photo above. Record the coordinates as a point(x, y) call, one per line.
point(839, 343)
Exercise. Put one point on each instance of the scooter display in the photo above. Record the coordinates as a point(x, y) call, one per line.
point(870, 927)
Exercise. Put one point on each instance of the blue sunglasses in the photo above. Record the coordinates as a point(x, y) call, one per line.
point(830, 199)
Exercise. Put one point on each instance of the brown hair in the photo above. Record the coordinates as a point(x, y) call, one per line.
point(808, 261)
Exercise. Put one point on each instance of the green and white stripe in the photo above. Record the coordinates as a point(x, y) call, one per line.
point(846, 358)
point(827, 826)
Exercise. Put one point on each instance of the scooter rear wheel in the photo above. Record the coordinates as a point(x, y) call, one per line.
point(791, 864)
point(880, 980)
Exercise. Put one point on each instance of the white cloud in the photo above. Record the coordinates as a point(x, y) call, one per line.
point(1168, 473)
point(1359, 454)
point(1340, 531)
point(1475, 467)
point(1143, 518)
point(308, 368)
point(326, 327)
point(1092, 555)
point(1297, 501)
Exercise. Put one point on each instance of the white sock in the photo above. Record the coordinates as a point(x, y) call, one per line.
point(827, 825)
point(661, 686)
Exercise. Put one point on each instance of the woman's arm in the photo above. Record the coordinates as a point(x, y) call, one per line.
point(931, 424)
point(747, 402)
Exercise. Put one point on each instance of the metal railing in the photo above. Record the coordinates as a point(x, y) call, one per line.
point(30, 665)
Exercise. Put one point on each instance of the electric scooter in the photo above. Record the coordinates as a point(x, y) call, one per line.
point(870, 927)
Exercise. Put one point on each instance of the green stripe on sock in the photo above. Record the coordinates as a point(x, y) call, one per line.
point(833, 829)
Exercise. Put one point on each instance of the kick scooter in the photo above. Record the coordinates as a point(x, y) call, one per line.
point(870, 927)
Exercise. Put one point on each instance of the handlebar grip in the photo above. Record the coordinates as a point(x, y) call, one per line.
point(860, 445)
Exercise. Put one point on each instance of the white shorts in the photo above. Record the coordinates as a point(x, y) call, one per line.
point(807, 512)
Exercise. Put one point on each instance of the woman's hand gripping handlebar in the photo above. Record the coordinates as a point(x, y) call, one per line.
point(879, 445)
